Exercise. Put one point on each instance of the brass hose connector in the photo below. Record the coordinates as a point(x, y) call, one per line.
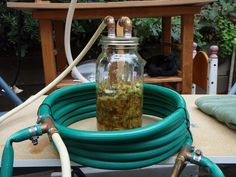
point(110, 22)
point(184, 155)
point(187, 153)
point(126, 23)
point(48, 126)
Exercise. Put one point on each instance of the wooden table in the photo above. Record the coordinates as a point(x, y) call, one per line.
point(51, 16)
point(215, 139)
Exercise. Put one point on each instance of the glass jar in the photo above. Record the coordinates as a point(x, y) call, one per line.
point(119, 78)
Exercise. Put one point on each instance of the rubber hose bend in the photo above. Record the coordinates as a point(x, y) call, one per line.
point(214, 169)
point(8, 152)
point(7, 160)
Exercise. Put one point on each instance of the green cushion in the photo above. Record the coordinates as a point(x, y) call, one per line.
point(222, 108)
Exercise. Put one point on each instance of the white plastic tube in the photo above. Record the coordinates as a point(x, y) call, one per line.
point(69, 57)
point(63, 153)
point(60, 77)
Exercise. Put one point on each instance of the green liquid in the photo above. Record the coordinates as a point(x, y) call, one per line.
point(119, 107)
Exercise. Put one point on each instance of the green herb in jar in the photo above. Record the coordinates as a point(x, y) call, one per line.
point(119, 106)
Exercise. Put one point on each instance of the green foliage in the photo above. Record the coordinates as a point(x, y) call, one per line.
point(17, 29)
point(81, 32)
point(216, 25)
point(227, 32)
point(146, 28)
point(176, 29)
point(151, 28)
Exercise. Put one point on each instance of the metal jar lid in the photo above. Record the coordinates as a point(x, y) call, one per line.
point(119, 41)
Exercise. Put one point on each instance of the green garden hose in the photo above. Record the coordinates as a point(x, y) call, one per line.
point(8, 152)
point(124, 149)
point(214, 169)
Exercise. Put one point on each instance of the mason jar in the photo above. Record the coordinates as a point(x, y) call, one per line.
point(119, 84)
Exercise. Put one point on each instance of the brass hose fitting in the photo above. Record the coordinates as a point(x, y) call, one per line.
point(184, 155)
point(110, 22)
point(126, 23)
point(187, 153)
point(48, 127)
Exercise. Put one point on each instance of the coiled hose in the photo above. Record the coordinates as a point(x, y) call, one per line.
point(124, 149)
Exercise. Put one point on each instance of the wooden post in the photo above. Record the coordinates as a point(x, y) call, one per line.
point(59, 45)
point(187, 52)
point(47, 45)
point(166, 35)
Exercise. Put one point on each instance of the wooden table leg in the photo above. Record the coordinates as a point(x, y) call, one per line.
point(187, 52)
point(166, 44)
point(166, 35)
point(47, 45)
point(59, 45)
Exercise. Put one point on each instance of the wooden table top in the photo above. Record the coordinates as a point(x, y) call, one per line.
point(215, 139)
point(103, 5)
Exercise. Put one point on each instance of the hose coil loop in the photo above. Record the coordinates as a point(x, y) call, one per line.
point(125, 149)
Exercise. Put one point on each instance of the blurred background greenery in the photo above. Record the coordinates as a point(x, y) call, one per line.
point(216, 24)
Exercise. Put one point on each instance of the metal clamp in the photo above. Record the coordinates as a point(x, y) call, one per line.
point(33, 133)
point(34, 140)
point(197, 155)
point(40, 117)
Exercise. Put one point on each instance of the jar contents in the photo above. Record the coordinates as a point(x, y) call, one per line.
point(119, 106)
point(119, 79)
